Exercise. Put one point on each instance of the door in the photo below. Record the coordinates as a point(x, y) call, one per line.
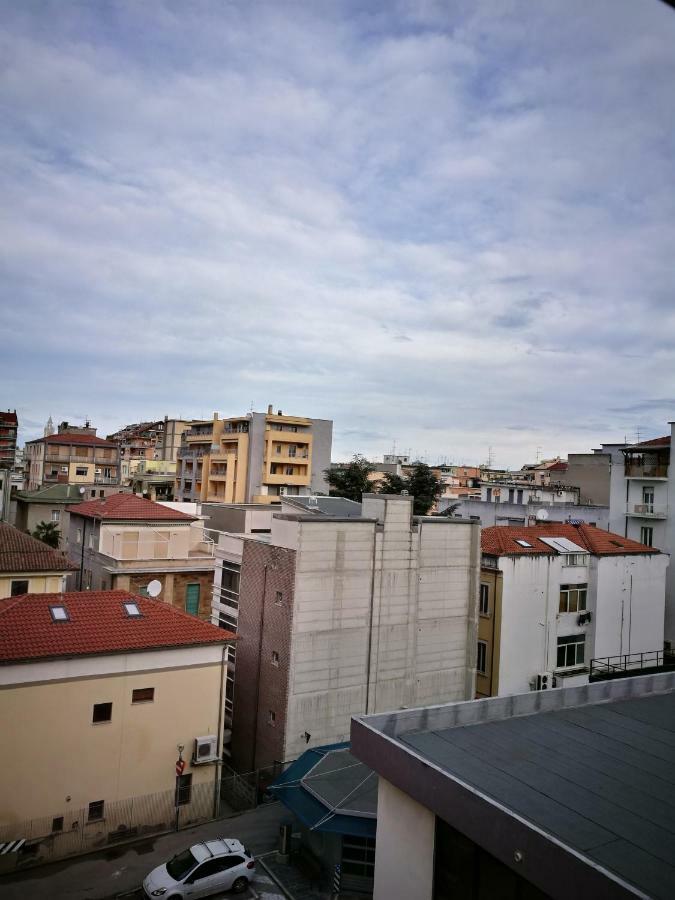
point(206, 879)
point(192, 599)
point(648, 499)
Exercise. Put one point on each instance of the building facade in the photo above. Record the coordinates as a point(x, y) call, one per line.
point(343, 614)
point(146, 442)
point(128, 542)
point(255, 458)
point(72, 456)
point(9, 426)
point(102, 689)
point(27, 566)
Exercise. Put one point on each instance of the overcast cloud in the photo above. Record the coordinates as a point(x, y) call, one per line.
point(447, 224)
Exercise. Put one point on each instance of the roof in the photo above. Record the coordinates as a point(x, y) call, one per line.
point(328, 789)
point(654, 442)
point(325, 506)
point(123, 507)
point(500, 540)
point(581, 781)
point(89, 440)
point(19, 552)
point(54, 493)
point(559, 466)
point(9, 418)
point(97, 624)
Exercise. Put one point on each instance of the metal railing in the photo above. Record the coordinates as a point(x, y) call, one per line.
point(648, 509)
point(628, 664)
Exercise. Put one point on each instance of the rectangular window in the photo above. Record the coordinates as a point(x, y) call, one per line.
point(571, 651)
point(192, 599)
point(484, 600)
point(56, 515)
point(78, 536)
point(18, 587)
point(102, 713)
point(481, 658)
point(271, 718)
point(92, 539)
point(142, 695)
point(358, 856)
point(183, 790)
point(275, 658)
point(519, 497)
point(279, 598)
point(647, 536)
point(81, 470)
point(57, 823)
point(96, 811)
point(573, 597)
point(488, 495)
point(575, 559)
point(511, 493)
point(648, 499)
point(289, 470)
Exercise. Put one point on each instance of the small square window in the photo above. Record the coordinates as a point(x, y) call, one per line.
point(142, 695)
point(523, 543)
point(59, 613)
point(271, 718)
point(275, 658)
point(132, 610)
point(102, 713)
point(56, 515)
point(279, 597)
point(57, 823)
point(96, 811)
point(18, 588)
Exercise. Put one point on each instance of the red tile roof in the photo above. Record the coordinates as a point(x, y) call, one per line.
point(9, 418)
point(88, 440)
point(21, 553)
point(559, 466)
point(500, 540)
point(654, 442)
point(97, 624)
point(122, 507)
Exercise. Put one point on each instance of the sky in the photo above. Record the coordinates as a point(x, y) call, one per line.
point(448, 226)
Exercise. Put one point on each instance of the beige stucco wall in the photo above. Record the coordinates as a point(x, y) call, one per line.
point(404, 858)
point(53, 751)
point(37, 584)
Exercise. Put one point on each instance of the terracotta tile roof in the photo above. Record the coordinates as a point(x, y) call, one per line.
point(122, 507)
point(88, 440)
point(20, 552)
point(97, 624)
point(559, 466)
point(654, 442)
point(500, 540)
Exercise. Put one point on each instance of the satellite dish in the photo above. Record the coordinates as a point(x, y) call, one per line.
point(542, 515)
point(154, 589)
point(81, 490)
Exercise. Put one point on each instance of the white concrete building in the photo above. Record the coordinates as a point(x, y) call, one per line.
point(520, 492)
point(339, 615)
point(569, 594)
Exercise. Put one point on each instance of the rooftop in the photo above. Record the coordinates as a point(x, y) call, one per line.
point(96, 622)
point(578, 782)
point(125, 507)
point(324, 506)
point(54, 493)
point(21, 553)
point(89, 440)
point(502, 540)
point(654, 442)
point(8, 418)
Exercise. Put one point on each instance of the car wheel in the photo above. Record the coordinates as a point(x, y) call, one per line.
point(240, 885)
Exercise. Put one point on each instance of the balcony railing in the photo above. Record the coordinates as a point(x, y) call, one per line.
point(158, 548)
point(628, 664)
point(647, 511)
point(640, 470)
point(103, 479)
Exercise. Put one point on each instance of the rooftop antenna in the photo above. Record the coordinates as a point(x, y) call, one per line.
point(538, 453)
point(490, 458)
point(637, 434)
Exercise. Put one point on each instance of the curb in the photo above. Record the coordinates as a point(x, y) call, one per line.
point(275, 879)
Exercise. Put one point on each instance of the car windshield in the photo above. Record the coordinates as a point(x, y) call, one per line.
point(180, 865)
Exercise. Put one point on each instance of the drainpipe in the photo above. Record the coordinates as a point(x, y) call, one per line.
point(223, 677)
point(84, 536)
point(257, 681)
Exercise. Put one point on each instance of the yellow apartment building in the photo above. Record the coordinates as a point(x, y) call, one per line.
point(28, 566)
point(71, 457)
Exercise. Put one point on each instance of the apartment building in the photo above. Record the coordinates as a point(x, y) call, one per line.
point(556, 597)
point(104, 689)
point(256, 458)
point(340, 614)
point(9, 426)
point(131, 543)
point(72, 456)
point(555, 795)
point(148, 441)
point(27, 566)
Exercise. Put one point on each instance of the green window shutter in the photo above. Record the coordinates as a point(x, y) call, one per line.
point(192, 599)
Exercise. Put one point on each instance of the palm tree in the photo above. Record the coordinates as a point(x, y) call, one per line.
point(48, 533)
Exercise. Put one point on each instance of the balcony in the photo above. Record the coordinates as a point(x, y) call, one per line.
point(640, 470)
point(608, 667)
point(199, 437)
point(102, 479)
point(280, 479)
point(157, 547)
point(647, 511)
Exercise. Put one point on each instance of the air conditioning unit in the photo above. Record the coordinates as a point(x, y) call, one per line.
point(206, 750)
point(282, 491)
point(584, 617)
point(543, 681)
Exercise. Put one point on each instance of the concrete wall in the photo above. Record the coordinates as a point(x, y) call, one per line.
point(322, 432)
point(590, 472)
point(404, 856)
point(490, 513)
point(53, 751)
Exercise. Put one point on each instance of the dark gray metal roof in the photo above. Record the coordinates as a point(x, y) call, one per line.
point(344, 784)
point(588, 787)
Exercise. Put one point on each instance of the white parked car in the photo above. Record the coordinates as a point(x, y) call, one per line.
point(223, 864)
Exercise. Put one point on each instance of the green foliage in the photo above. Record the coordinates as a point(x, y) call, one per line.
point(48, 533)
point(352, 480)
point(421, 484)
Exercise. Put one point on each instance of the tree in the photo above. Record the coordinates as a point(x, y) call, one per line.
point(48, 533)
point(351, 480)
point(392, 484)
point(421, 484)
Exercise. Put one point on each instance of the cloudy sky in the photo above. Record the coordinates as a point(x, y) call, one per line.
point(446, 224)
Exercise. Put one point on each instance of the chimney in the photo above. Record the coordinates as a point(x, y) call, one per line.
point(270, 409)
point(279, 412)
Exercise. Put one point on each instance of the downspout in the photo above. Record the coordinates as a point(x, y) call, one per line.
point(257, 682)
point(84, 536)
point(546, 621)
point(221, 742)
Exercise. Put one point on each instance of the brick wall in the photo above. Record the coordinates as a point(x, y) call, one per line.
point(179, 582)
point(261, 680)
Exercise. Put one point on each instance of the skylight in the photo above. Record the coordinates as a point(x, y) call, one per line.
point(132, 609)
point(59, 613)
point(523, 543)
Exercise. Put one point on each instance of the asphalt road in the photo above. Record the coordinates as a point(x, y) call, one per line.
point(121, 870)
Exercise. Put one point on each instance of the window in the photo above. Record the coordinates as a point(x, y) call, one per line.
point(573, 597)
point(81, 470)
point(57, 823)
point(192, 599)
point(279, 598)
point(142, 695)
point(271, 718)
point(18, 587)
point(511, 493)
point(292, 450)
point(102, 713)
point(132, 609)
point(484, 600)
point(183, 790)
point(95, 811)
point(481, 658)
point(289, 470)
point(277, 449)
point(59, 614)
point(575, 559)
point(488, 495)
point(92, 540)
point(358, 856)
point(519, 496)
point(275, 658)
point(647, 536)
point(648, 498)
point(78, 536)
point(571, 651)
point(523, 543)
point(56, 515)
